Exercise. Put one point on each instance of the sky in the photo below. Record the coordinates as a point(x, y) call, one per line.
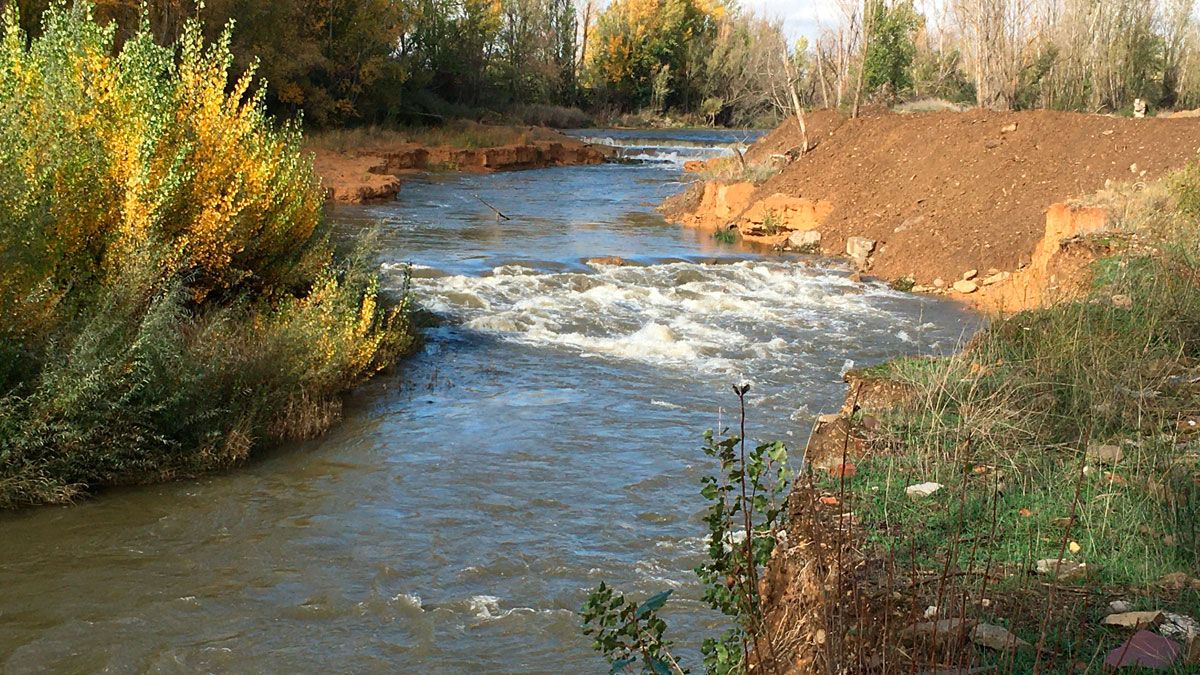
point(800, 17)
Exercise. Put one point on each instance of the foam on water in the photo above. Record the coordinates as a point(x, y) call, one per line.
point(658, 151)
point(729, 318)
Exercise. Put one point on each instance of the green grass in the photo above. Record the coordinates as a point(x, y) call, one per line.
point(1004, 426)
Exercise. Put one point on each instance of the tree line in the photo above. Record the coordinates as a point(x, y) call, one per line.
point(343, 62)
point(350, 62)
point(1085, 55)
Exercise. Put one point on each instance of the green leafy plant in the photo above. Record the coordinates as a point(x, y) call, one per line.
point(771, 222)
point(627, 632)
point(725, 235)
point(745, 500)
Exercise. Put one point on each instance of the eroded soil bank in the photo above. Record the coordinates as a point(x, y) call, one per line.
point(372, 171)
point(933, 198)
point(1021, 506)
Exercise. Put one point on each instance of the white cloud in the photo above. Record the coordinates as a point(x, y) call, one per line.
point(800, 17)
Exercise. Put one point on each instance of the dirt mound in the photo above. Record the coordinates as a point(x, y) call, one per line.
point(947, 192)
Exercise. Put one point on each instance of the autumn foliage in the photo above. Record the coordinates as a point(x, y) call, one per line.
point(169, 296)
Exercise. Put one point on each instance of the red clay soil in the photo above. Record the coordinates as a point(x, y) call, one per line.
point(374, 173)
point(947, 192)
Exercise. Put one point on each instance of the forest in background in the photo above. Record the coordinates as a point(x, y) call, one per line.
point(563, 62)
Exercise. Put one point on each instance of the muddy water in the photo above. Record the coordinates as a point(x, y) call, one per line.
point(545, 439)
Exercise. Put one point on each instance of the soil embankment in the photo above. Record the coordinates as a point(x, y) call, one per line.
point(373, 170)
point(935, 196)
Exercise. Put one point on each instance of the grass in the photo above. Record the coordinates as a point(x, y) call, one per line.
point(731, 170)
point(1005, 427)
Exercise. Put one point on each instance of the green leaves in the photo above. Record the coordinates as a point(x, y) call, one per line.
point(653, 604)
point(744, 504)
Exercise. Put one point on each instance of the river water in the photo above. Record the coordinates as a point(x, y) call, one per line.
point(547, 437)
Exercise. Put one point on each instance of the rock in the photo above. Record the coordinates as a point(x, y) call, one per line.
point(909, 223)
point(939, 283)
point(1147, 650)
point(860, 248)
point(1180, 626)
point(1134, 619)
point(995, 278)
point(991, 143)
point(1104, 454)
point(919, 288)
point(995, 637)
point(846, 470)
point(944, 631)
point(1008, 128)
point(808, 241)
point(1119, 606)
point(606, 260)
point(1122, 302)
point(970, 274)
point(965, 286)
point(1178, 581)
point(922, 490)
point(1061, 570)
point(1133, 168)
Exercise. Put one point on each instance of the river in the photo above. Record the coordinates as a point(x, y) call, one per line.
point(545, 438)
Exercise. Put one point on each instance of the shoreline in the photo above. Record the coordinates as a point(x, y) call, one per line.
point(914, 220)
point(373, 169)
point(834, 593)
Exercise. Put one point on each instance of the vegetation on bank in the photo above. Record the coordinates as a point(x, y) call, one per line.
point(1070, 433)
point(170, 299)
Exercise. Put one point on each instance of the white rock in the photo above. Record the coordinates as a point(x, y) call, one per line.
point(1178, 626)
point(808, 241)
point(995, 278)
point(922, 490)
point(1061, 569)
point(1119, 606)
point(965, 286)
point(860, 248)
point(939, 283)
point(970, 274)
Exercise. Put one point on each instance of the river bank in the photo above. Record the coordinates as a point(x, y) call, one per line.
point(945, 203)
point(1028, 503)
point(366, 165)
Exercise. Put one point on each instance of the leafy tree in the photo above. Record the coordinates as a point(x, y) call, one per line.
point(891, 47)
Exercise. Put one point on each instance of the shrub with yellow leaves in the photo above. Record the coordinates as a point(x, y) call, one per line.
point(169, 297)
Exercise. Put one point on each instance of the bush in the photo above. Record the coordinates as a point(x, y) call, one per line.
point(169, 297)
point(1185, 188)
